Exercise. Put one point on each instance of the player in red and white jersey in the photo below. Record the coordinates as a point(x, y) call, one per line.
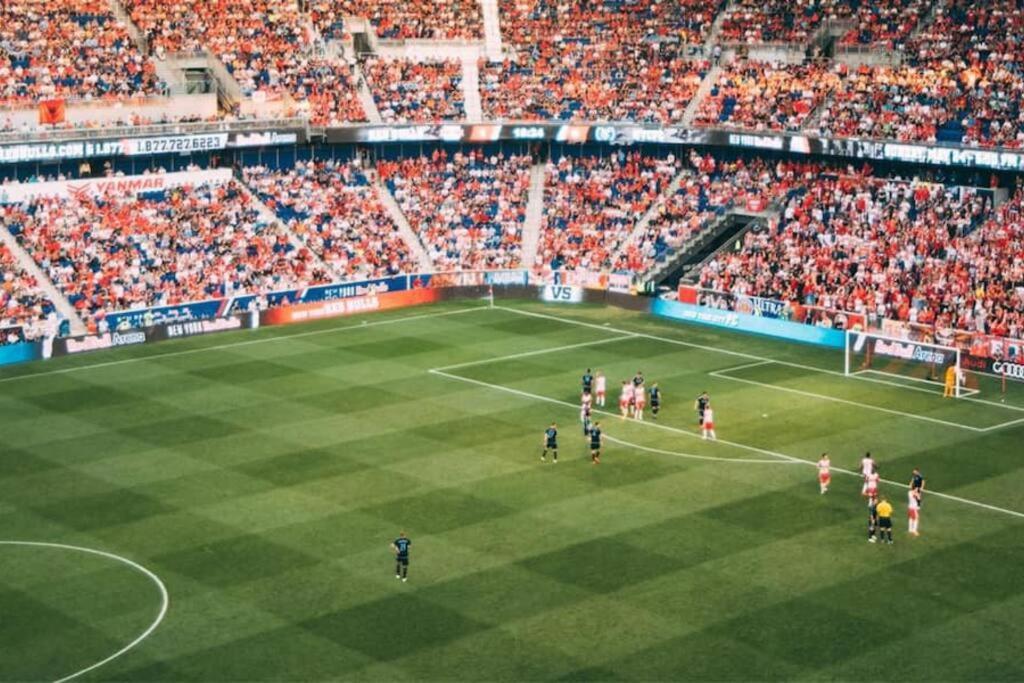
point(913, 511)
point(708, 428)
point(871, 484)
point(639, 401)
point(626, 399)
point(586, 400)
point(867, 465)
point(824, 472)
point(599, 388)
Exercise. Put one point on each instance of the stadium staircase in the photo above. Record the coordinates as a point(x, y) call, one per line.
point(64, 307)
point(365, 96)
point(685, 263)
point(471, 89)
point(534, 214)
point(492, 30)
point(705, 88)
point(641, 225)
point(404, 229)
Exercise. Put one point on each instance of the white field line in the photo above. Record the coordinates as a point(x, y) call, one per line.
point(538, 352)
point(695, 456)
point(810, 394)
point(735, 444)
point(964, 391)
point(165, 600)
point(249, 342)
point(750, 356)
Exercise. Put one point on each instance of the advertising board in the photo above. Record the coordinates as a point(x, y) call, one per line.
point(561, 294)
point(745, 322)
point(298, 313)
point(117, 186)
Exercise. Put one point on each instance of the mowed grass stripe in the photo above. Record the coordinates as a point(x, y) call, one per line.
point(292, 556)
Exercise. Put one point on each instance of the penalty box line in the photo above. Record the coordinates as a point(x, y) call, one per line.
point(758, 360)
point(735, 444)
point(723, 374)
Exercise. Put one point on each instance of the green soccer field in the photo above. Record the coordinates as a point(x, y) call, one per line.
point(259, 478)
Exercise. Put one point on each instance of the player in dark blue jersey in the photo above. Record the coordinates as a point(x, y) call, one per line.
point(595, 443)
point(401, 547)
point(701, 405)
point(638, 379)
point(588, 381)
point(655, 400)
point(917, 484)
point(550, 443)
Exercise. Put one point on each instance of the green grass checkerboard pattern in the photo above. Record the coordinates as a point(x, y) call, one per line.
point(263, 477)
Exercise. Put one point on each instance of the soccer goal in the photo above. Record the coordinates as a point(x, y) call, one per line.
point(903, 362)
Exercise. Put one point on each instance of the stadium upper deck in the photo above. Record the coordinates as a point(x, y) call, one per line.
point(917, 72)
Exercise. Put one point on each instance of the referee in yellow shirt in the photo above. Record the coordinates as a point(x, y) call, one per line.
point(884, 510)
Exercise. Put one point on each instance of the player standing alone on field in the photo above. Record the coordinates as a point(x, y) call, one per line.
point(595, 444)
point(599, 388)
point(708, 428)
point(550, 443)
point(401, 547)
point(655, 400)
point(700, 405)
point(824, 473)
point(913, 511)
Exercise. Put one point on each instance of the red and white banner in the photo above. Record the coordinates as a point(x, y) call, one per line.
point(116, 186)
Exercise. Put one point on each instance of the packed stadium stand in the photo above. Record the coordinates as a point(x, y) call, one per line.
point(405, 90)
point(402, 19)
point(68, 49)
point(467, 208)
point(23, 305)
point(162, 248)
point(882, 243)
point(337, 212)
point(593, 204)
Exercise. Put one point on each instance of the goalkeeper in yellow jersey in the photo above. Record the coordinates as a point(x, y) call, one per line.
point(951, 379)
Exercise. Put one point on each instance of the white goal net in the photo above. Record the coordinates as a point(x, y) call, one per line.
point(906, 363)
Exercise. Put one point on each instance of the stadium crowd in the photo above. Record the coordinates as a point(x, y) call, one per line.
point(592, 205)
point(115, 253)
point(266, 45)
point(597, 61)
point(406, 90)
point(914, 252)
point(761, 95)
point(336, 211)
point(468, 208)
point(402, 19)
point(23, 305)
point(707, 188)
point(73, 49)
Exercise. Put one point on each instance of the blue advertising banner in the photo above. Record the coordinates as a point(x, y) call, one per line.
point(221, 308)
point(20, 353)
point(746, 322)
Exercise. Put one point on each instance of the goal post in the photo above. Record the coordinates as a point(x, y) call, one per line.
point(904, 362)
